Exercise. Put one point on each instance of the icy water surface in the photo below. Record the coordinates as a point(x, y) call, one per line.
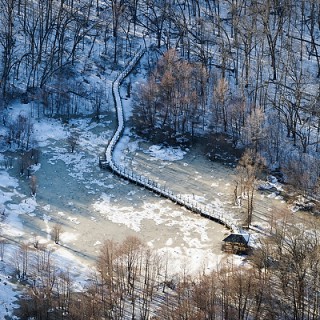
point(94, 205)
point(196, 178)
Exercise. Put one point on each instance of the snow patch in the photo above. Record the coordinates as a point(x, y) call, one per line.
point(165, 153)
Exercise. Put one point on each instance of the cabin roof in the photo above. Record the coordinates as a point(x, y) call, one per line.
point(237, 238)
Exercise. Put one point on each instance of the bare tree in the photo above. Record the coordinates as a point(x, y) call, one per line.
point(247, 171)
point(253, 131)
point(106, 265)
point(73, 140)
point(56, 232)
point(173, 99)
point(33, 184)
point(291, 255)
point(220, 95)
point(42, 290)
point(272, 18)
point(2, 245)
point(118, 7)
point(24, 253)
point(7, 42)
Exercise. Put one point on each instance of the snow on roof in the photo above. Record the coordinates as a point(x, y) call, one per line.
point(237, 238)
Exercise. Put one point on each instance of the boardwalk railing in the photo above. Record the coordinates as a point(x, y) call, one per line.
point(108, 162)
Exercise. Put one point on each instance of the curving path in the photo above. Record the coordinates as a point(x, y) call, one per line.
point(108, 162)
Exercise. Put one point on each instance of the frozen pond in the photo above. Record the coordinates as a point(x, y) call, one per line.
point(94, 205)
point(195, 177)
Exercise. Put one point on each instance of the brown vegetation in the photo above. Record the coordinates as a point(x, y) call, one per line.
point(280, 282)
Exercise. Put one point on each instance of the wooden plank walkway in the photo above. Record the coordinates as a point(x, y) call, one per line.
point(108, 161)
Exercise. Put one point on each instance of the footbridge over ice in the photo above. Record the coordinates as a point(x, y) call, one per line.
point(108, 161)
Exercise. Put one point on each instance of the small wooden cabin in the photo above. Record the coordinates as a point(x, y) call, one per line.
point(236, 243)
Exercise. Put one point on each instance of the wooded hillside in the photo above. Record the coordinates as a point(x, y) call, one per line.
point(249, 69)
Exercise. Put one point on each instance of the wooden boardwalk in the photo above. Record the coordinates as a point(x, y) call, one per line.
point(108, 161)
